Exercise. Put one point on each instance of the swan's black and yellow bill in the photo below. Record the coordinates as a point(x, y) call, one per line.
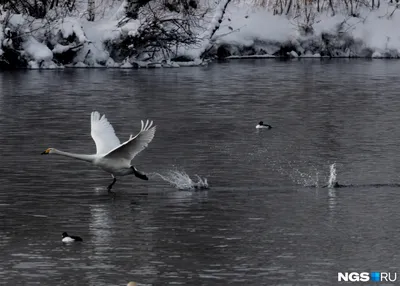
point(47, 151)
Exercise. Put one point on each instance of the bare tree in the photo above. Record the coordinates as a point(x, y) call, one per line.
point(165, 25)
point(213, 27)
point(90, 10)
point(296, 8)
point(38, 8)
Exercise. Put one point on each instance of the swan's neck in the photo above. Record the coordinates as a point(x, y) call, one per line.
point(83, 157)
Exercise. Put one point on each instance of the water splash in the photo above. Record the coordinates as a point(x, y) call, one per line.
point(332, 176)
point(182, 181)
point(311, 177)
point(306, 178)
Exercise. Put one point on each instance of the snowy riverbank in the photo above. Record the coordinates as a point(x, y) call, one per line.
point(245, 30)
point(371, 35)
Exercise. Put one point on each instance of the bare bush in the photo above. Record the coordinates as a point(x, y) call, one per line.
point(38, 8)
point(295, 8)
point(164, 26)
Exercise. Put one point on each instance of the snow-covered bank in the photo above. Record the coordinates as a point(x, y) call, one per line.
point(373, 35)
point(240, 30)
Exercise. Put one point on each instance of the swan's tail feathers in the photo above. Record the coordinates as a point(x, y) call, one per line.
point(139, 174)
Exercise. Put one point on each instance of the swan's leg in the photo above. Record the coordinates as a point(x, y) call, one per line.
point(110, 186)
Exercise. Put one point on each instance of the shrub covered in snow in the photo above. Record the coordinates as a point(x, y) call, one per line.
point(35, 43)
point(153, 30)
point(66, 38)
point(152, 33)
point(11, 47)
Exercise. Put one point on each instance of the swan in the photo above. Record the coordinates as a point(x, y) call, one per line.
point(112, 156)
point(262, 125)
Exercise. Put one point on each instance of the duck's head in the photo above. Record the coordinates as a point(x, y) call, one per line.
point(261, 123)
point(64, 234)
point(47, 151)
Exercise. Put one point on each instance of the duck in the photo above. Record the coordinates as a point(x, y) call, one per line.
point(67, 238)
point(262, 125)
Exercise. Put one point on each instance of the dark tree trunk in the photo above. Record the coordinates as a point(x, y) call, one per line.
point(289, 6)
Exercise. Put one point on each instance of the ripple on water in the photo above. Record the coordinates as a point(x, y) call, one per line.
point(254, 227)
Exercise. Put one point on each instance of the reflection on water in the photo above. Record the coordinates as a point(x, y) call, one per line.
point(331, 199)
point(259, 224)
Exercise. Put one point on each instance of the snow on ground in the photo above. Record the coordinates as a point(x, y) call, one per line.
point(244, 27)
point(375, 30)
point(249, 25)
point(36, 51)
point(380, 34)
point(69, 27)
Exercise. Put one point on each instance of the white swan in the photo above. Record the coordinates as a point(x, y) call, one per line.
point(112, 156)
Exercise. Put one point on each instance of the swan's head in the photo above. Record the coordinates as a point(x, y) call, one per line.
point(47, 151)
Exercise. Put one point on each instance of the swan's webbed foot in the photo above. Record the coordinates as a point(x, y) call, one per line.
point(139, 175)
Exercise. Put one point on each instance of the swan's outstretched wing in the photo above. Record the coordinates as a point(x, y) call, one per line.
point(129, 149)
point(103, 134)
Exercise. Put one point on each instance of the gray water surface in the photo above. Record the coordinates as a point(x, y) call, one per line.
point(261, 222)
